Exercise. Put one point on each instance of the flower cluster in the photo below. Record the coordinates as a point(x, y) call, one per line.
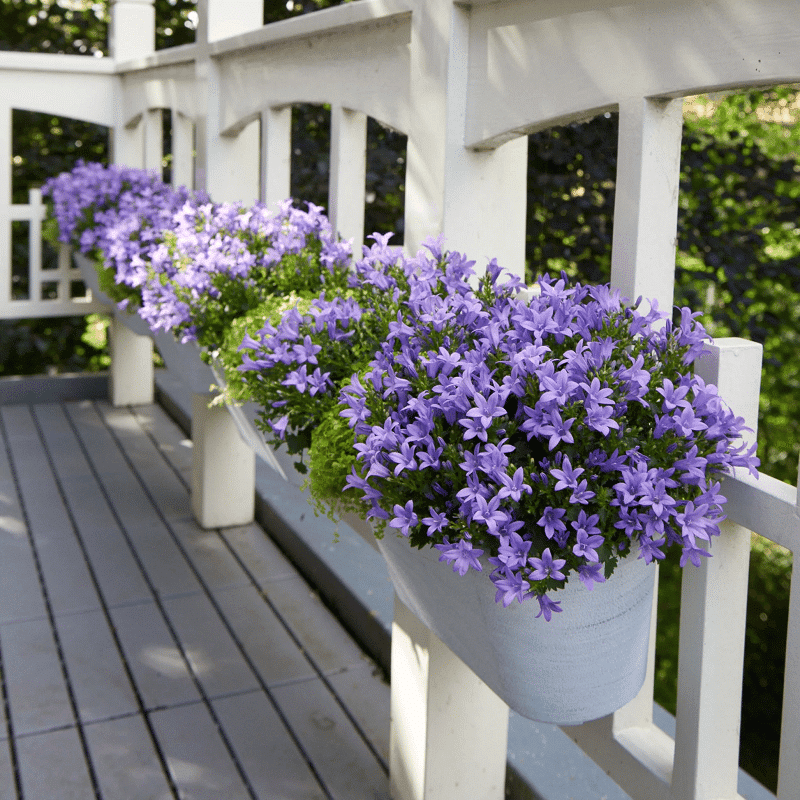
point(188, 265)
point(117, 215)
point(541, 437)
point(219, 261)
point(294, 361)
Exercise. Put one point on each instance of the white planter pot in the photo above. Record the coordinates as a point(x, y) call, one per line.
point(88, 270)
point(184, 362)
point(587, 662)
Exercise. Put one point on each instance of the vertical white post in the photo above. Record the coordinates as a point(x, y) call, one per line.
point(182, 150)
point(646, 205)
point(232, 169)
point(449, 731)
point(789, 764)
point(476, 198)
point(713, 616)
point(227, 160)
point(129, 142)
point(227, 167)
point(131, 32)
point(131, 35)
point(223, 467)
point(130, 377)
point(154, 140)
point(219, 19)
point(449, 734)
point(348, 174)
point(276, 154)
point(5, 204)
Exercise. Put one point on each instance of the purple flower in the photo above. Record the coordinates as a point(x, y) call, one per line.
point(588, 536)
point(404, 518)
point(547, 607)
point(551, 521)
point(461, 554)
point(547, 567)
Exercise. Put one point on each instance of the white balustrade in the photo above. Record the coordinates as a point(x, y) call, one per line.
point(465, 81)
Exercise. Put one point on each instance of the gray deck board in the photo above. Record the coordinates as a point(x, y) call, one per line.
point(144, 657)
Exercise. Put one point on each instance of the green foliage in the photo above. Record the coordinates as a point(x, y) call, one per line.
point(37, 346)
point(331, 458)
point(270, 311)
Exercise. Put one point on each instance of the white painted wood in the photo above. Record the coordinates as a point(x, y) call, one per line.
point(646, 204)
point(5, 201)
point(485, 192)
point(128, 142)
point(276, 154)
point(348, 174)
point(130, 377)
point(223, 468)
point(216, 20)
point(153, 140)
point(182, 150)
point(132, 29)
point(477, 199)
point(789, 764)
point(713, 616)
point(231, 158)
point(543, 63)
point(449, 730)
point(295, 61)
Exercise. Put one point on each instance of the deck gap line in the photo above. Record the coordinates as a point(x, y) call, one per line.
point(173, 633)
point(12, 745)
point(48, 604)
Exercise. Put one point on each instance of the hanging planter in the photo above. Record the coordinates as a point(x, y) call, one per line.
point(582, 665)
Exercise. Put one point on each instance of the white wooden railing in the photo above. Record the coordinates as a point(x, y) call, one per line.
point(466, 80)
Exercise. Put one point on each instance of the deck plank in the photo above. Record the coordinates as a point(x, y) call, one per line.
point(37, 692)
point(53, 765)
point(273, 763)
point(348, 768)
point(69, 586)
point(125, 760)
point(200, 764)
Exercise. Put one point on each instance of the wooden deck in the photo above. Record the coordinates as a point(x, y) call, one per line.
point(143, 657)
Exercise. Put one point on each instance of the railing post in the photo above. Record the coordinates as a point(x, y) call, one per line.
point(132, 29)
point(131, 35)
point(646, 201)
point(227, 160)
point(713, 615)
point(223, 467)
point(788, 762)
point(182, 150)
point(449, 735)
point(130, 377)
point(348, 174)
point(476, 198)
point(276, 154)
